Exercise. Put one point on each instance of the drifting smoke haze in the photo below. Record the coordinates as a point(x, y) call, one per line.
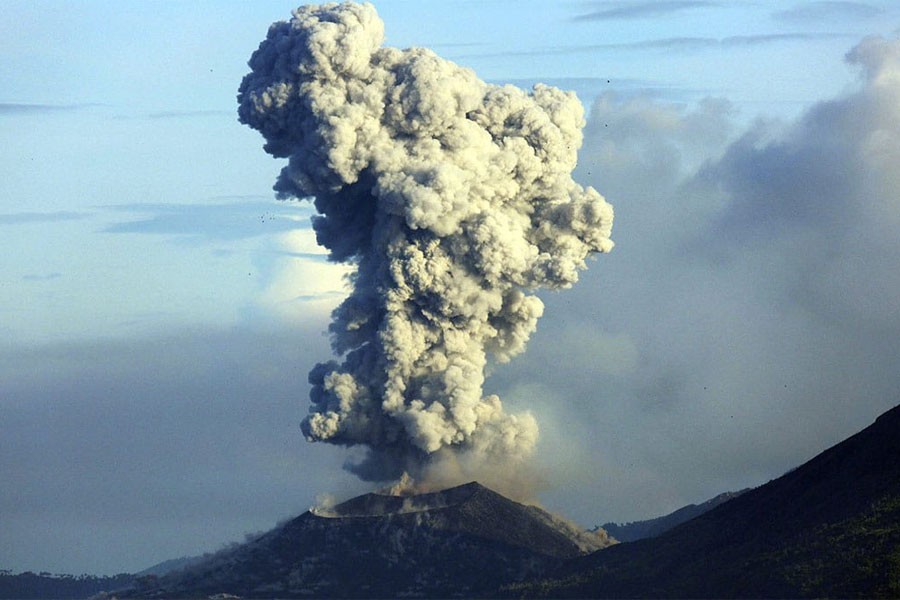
point(453, 200)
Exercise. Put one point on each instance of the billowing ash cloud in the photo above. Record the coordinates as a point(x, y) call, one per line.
point(454, 200)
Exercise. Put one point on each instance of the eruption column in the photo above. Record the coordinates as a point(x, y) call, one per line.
point(454, 200)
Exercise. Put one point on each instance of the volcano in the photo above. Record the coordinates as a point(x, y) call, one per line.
point(461, 541)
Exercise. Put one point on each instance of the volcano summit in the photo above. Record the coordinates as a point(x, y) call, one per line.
point(465, 541)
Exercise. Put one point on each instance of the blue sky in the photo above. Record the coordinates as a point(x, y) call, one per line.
point(160, 309)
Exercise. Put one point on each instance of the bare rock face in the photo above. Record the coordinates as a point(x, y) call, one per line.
point(462, 541)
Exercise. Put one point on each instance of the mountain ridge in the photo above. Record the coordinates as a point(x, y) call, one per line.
point(637, 530)
point(830, 527)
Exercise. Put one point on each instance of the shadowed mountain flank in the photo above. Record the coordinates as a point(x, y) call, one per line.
point(830, 527)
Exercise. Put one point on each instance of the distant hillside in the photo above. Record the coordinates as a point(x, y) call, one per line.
point(638, 530)
point(28, 585)
point(465, 541)
point(830, 528)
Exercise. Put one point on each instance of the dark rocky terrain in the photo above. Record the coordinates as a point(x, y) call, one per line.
point(463, 541)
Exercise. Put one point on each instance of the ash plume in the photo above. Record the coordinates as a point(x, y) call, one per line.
point(454, 201)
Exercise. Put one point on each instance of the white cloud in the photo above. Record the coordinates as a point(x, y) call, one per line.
point(303, 285)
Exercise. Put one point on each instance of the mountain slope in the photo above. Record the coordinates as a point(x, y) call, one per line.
point(462, 541)
point(638, 530)
point(828, 528)
point(170, 566)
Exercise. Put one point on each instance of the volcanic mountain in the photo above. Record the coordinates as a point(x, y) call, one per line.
point(462, 541)
point(829, 528)
point(638, 530)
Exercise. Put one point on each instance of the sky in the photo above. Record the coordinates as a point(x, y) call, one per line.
point(160, 309)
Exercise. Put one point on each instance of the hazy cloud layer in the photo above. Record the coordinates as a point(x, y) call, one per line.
point(673, 44)
point(13, 108)
point(220, 221)
point(42, 276)
point(814, 12)
point(186, 114)
point(25, 218)
point(610, 11)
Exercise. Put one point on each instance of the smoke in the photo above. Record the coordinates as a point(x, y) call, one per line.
point(454, 201)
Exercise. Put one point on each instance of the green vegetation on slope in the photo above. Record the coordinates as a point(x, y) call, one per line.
point(845, 558)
